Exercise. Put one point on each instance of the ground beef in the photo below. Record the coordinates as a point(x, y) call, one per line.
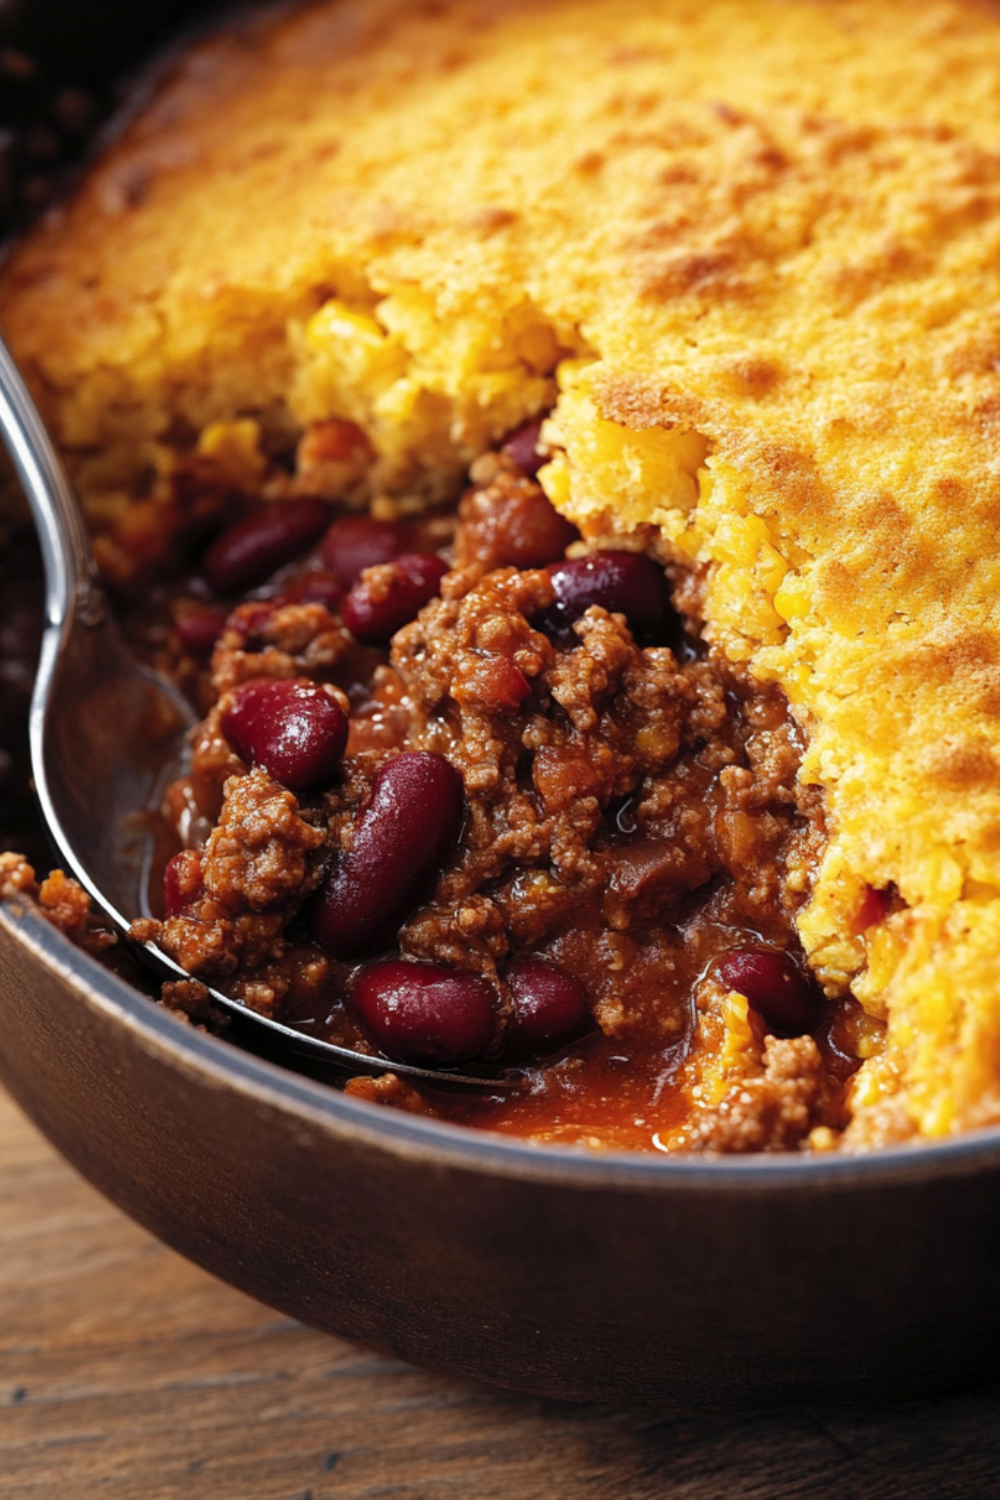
point(773, 1112)
point(64, 903)
point(632, 812)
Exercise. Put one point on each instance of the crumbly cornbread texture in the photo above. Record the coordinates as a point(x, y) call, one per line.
point(748, 251)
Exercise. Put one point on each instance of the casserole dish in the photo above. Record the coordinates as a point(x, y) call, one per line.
point(678, 1283)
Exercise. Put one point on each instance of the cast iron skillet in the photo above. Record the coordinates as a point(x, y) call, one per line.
point(606, 1277)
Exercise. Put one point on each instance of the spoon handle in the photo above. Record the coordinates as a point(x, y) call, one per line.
point(105, 729)
point(91, 698)
point(70, 577)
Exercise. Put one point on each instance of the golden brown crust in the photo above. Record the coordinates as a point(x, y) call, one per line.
point(751, 251)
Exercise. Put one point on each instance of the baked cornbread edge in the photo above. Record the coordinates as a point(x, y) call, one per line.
point(749, 253)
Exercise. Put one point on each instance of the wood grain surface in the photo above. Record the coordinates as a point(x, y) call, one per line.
point(128, 1374)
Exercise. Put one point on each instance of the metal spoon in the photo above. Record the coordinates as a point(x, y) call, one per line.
point(106, 732)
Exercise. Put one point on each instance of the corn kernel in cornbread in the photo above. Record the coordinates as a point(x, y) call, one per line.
point(746, 253)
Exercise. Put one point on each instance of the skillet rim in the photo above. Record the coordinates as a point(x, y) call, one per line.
point(220, 1063)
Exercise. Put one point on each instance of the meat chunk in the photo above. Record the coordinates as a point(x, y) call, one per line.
point(772, 1112)
point(256, 861)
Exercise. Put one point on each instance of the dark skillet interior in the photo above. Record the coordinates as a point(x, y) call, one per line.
point(594, 1278)
point(59, 77)
point(89, 44)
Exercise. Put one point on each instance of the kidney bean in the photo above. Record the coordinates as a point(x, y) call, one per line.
point(296, 730)
point(199, 627)
point(404, 837)
point(521, 448)
point(182, 883)
point(627, 583)
point(315, 586)
point(379, 605)
point(254, 548)
point(424, 1013)
point(354, 543)
point(550, 1009)
point(775, 987)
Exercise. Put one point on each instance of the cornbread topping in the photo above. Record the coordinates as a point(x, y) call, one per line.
point(742, 259)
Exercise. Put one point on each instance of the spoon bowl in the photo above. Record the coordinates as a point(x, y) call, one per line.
point(106, 733)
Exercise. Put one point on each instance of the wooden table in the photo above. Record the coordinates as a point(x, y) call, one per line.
point(128, 1374)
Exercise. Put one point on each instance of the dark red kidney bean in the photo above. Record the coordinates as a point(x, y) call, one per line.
point(373, 612)
point(550, 1009)
point(199, 627)
point(354, 543)
point(403, 839)
point(424, 1013)
point(521, 448)
point(775, 987)
point(627, 583)
point(296, 730)
point(182, 883)
point(254, 548)
point(315, 586)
